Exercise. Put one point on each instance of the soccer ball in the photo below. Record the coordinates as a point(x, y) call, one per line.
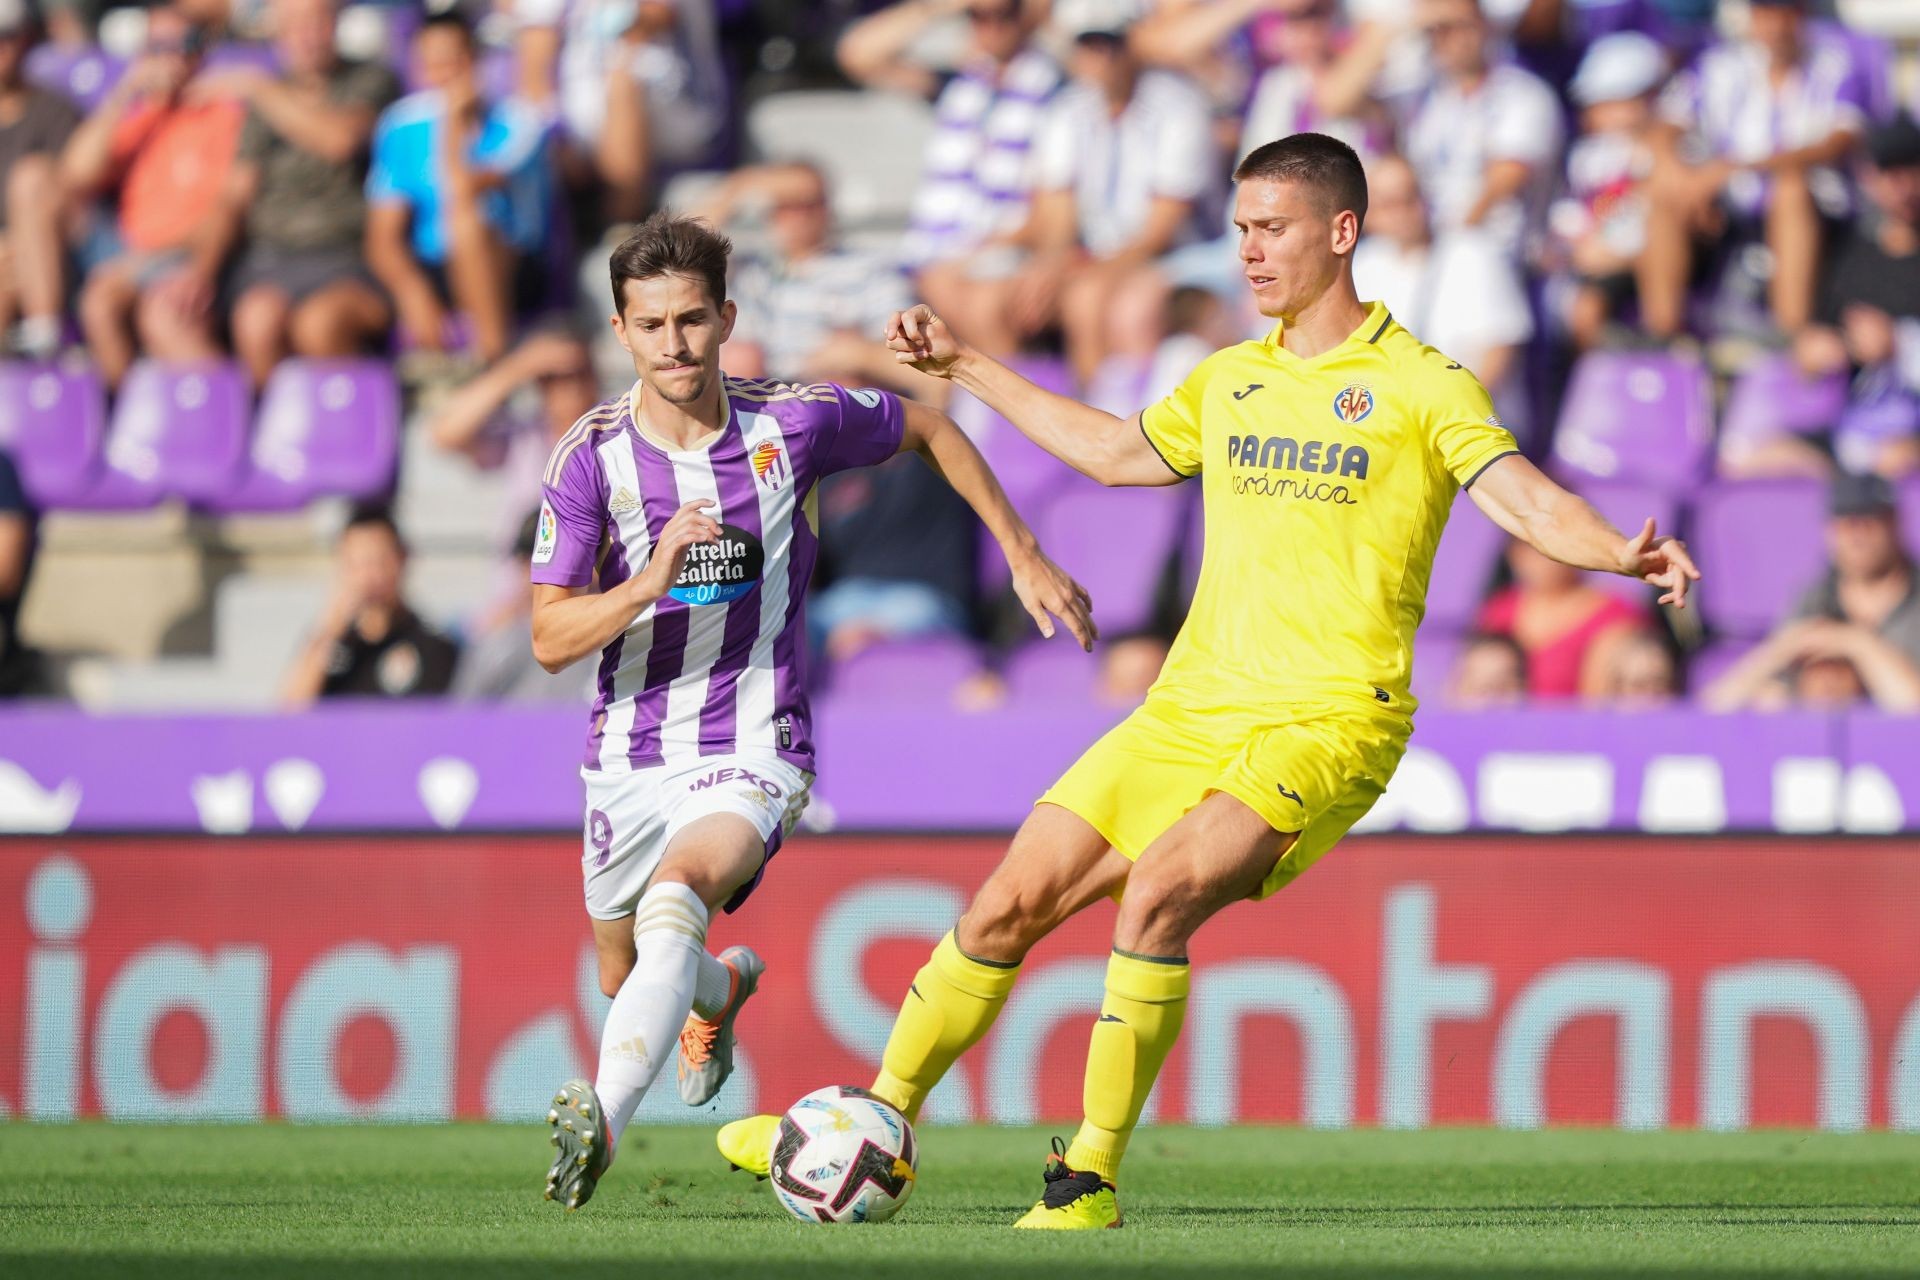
point(843, 1155)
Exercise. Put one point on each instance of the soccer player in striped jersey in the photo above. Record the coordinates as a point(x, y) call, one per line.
point(677, 533)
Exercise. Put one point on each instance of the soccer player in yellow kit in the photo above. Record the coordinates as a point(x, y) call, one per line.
point(1329, 455)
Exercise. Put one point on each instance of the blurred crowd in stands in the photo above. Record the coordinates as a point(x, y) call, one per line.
point(1563, 192)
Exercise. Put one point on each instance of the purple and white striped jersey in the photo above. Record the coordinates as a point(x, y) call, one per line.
point(719, 665)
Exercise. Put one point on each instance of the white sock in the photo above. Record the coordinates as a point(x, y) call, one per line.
point(712, 988)
point(643, 1026)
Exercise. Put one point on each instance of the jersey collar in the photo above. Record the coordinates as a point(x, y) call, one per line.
point(1371, 330)
point(647, 437)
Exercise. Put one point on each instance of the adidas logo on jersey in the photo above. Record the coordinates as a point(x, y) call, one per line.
point(623, 502)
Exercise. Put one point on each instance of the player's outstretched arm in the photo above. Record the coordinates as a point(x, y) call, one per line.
point(1556, 523)
point(571, 622)
point(1110, 450)
point(1044, 588)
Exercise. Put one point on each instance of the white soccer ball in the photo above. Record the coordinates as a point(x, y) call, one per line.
point(843, 1155)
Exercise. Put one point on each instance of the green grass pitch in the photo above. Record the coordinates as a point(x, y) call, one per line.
point(463, 1201)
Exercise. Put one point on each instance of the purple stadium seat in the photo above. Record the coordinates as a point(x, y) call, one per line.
point(1772, 397)
point(1463, 568)
point(1051, 671)
point(325, 427)
point(52, 421)
point(178, 430)
point(1759, 543)
point(922, 671)
point(1029, 474)
point(1635, 415)
point(1627, 506)
point(1117, 543)
point(83, 75)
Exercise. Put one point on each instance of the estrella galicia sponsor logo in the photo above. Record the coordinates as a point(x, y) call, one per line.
point(720, 777)
point(716, 572)
point(1253, 457)
point(1353, 403)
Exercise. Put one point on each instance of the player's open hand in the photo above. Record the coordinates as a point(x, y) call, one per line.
point(1664, 562)
point(689, 527)
point(1047, 592)
point(919, 338)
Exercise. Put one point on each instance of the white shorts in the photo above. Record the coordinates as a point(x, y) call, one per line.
point(632, 817)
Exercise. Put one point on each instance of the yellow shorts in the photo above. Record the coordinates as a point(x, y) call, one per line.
point(1312, 769)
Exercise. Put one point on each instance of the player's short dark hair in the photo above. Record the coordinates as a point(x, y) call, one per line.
point(1326, 166)
point(669, 245)
point(374, 515)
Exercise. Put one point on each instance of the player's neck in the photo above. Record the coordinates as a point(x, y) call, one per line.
point(680, 427)
point(1324, 323)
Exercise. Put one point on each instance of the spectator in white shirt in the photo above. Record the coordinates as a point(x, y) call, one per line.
point(1125, 170)
point(1453, 290)
point(971, 211)
point(1485, 136)
point(1755, 139)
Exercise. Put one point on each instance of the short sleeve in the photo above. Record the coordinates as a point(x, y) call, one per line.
point(1172, 425)
point(566, 542)
point(1465, 431)
point(383, 179)
point(866, 431)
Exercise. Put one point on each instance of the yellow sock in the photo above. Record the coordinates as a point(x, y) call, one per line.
point(953, 1000)
point(1139, 1021)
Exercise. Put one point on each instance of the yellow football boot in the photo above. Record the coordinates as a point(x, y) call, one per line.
point(1072, 1201)
point(748, 1144)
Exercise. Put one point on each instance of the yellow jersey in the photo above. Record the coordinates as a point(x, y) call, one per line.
point(1326, 484)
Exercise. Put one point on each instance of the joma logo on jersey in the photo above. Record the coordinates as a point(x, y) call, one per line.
point(1353, 403)
point(770, 465)
point(1283, 453)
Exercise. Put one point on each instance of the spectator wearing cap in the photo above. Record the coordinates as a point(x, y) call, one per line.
point(1868, 328)
point(368, 642)
point(639, 86)
point(1454, 290)
point(970, 214)
point(1125, 169)
point(34, 126)
point(810, 307)
point(1870, 580)
point(166, 151)
point(1856, 632)
point(290, 228)
point(1484, 135)
point(1754, 147)
point(1599, 226)
point(459, 199)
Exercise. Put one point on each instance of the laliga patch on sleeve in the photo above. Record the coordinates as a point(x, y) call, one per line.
point(547, 535)
point(866, 396)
